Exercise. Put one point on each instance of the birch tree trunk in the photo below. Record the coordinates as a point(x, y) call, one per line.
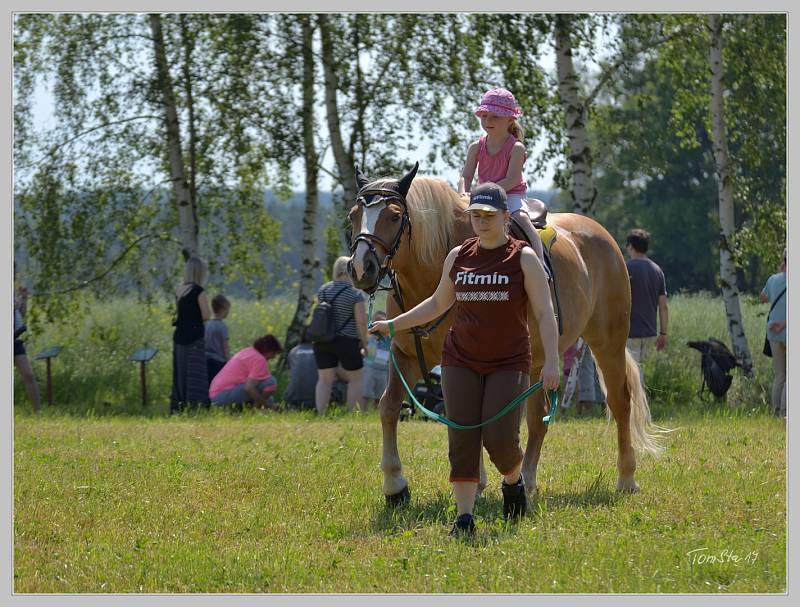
point(727, 266)
point(309, 261)
point(344, 161)
point(582, 191)
point(187, 217)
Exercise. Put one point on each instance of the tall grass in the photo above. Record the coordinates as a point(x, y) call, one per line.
point(92, 375)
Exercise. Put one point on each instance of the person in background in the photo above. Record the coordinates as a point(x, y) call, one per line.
point(648, 298)
point(588, 390)
point(774, 292)
point(246, 377)
point(189, 370)
point(21, 361)
point(302, 374)
point(342, 357)
point(217, 341)
point(301, 391)
point(376, 366)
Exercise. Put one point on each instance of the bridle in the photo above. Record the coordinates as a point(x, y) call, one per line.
point(382, 196)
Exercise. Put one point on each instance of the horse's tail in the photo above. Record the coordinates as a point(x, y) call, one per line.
point(644, 434)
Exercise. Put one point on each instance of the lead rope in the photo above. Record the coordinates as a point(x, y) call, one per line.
point(448, 422)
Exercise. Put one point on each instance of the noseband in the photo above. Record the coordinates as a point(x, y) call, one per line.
point(381, 195)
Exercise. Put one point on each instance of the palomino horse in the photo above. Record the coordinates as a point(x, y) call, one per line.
point(409, 225)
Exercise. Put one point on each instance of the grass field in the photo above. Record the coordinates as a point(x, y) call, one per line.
point(112, 498)
point(290, 503)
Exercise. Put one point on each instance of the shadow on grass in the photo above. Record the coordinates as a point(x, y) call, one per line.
point(440, 509)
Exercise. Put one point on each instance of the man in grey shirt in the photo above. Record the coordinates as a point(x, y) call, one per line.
point(648, 299)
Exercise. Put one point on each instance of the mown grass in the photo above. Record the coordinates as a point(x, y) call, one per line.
point(291, 503)
point(111, 498)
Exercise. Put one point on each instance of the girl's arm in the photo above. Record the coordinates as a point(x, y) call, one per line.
point(202, 301)
point(539, 297)
point(468, 174)
point(428, 309)
point(514, 167)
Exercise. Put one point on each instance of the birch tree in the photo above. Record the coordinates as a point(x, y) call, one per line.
point(309, 261)
point(160, 136)
point(728, 283)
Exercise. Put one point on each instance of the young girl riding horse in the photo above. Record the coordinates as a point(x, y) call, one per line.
point(499, 156)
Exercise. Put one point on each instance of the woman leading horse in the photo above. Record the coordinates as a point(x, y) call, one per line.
point(486, 360)
point(408, 226)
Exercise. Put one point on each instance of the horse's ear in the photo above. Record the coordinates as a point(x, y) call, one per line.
point(405, 182)
point(361, 179)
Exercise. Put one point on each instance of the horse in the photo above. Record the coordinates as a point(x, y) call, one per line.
point(407, 226)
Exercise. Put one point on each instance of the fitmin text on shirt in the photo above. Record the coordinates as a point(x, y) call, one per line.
point(471, 278)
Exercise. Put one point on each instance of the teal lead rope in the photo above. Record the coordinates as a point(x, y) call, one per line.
point(448, 422)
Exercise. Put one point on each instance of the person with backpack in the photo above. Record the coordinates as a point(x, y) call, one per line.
point(775, 293)
point(338, 330)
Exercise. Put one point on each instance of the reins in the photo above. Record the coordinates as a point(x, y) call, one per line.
point(513, 404)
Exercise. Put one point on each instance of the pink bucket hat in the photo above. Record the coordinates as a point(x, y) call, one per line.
point(498, 101)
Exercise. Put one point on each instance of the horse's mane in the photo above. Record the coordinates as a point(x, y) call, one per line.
point(431, 203)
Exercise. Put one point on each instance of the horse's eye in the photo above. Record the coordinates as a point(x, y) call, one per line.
point(395, 218)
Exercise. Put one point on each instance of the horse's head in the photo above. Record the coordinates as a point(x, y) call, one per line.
point(378, 220)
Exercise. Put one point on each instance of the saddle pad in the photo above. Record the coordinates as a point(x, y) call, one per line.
point(548, 236)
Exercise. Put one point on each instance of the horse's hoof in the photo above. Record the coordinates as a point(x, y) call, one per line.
point(398, 499)
point(627, 487)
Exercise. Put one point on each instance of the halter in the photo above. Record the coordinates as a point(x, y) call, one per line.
point(382, 195)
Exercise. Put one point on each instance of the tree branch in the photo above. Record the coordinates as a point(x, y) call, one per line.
point(85, 283)
point(627, 56)
point(58, 146)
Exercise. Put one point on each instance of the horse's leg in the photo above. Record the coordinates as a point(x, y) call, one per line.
point(535, 411)
point(395, 485)
point(612, 363)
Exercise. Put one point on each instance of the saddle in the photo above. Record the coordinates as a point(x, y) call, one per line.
point(537, 211)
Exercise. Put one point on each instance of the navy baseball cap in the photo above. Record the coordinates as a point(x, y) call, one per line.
point(488, 197)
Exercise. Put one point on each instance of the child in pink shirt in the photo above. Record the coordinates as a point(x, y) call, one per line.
point(246, 376)
point(499, 155)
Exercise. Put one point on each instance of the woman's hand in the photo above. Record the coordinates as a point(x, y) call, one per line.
point(379, 327)
point(550, 376)
point(777, 326)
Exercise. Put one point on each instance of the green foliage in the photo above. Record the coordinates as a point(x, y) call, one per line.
point(91, 186)
point(653, 149)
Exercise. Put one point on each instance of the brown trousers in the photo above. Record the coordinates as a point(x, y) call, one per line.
point(471, 398)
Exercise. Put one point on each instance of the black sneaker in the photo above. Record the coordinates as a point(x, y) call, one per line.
point(515, 502)
point(464, 525)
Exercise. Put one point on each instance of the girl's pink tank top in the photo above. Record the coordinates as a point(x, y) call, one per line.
point(494, 167)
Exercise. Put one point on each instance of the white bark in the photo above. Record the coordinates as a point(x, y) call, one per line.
point(309, 260)
point(187, 218)
point(580, 156)
point(730, 291)
point(344, 162)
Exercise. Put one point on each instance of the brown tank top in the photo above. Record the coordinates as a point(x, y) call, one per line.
point(490, 326)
